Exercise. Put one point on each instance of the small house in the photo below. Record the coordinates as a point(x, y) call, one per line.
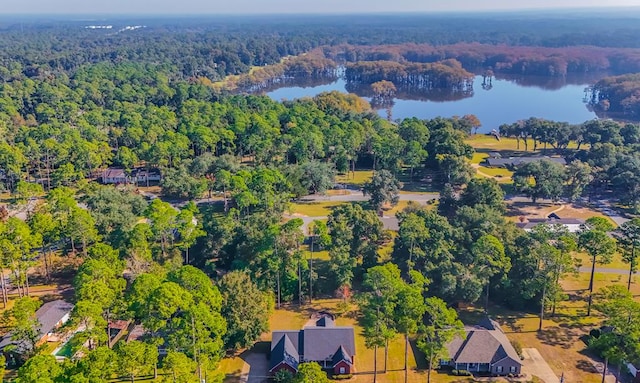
point(114, 176)
point(484, 349)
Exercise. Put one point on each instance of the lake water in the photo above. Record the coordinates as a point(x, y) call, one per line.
point(507, 101)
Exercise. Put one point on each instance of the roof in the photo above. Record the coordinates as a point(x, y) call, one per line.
point(284, 352)
point(51, 313)
point(113, 173)
point(341, 355)
point(137, 332)
point(483, 343)
point(48, 316)
point(325, 321)
point(320, 343)
point(515, 161)
point(296, 337)
point(533, 222)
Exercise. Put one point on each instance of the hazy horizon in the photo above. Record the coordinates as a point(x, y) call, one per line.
point(253, 7)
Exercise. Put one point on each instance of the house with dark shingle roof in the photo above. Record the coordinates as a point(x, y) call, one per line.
point(484, 349)
point(331, 346)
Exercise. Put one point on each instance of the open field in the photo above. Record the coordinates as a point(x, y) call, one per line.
point(359, 177)
point(616, 263)
point(314, 209)
point(484, 142)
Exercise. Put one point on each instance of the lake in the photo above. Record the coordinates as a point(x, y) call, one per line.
point(508, 100)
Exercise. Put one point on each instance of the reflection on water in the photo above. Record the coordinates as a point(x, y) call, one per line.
point(508, 99)
point(553, 83)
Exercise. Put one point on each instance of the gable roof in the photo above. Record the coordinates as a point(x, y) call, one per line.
point(284, 352)
point(51, 313)
point(325, 321)
point(320, 343)
point(296, 337)
point(483, 343)
point(341, 355)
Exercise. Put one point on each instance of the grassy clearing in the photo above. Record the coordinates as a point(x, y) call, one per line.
point(231, 366)
point(528, 209)
point(501, 175)
point(488, 142)
point(515, 209)
point(337, 192)
point(578, 284)
point(484, 142)
point(359, 177)
point(617, 262)
point(314, 209)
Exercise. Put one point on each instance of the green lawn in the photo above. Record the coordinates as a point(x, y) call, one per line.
point(359, 177)
point(314, 209)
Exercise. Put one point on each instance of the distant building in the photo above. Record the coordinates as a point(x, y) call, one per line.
point(484, 349)
point(137, 176)
point(571, 224)
point(513, 162)
point(114, 176)
point(331, 346)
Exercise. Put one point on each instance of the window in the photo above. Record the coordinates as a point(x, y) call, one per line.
point(342, 370)
point(499, 368)
point(512, 369)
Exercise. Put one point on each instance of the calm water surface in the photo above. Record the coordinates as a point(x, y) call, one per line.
point(505, 102)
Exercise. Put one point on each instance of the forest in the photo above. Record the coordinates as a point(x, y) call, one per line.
point(203, 262)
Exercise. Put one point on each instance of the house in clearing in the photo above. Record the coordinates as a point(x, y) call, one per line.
point(484, 349)
point(51, 316)
point(114, 176)
point(331, 346)
point(137, 176)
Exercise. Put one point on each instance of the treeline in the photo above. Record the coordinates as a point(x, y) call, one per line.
point(530, 60)
point(619, 94)
point(311, 65)
point(217, 47)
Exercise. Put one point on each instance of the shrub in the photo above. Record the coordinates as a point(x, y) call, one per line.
point(460, 373)
point(518, 347)
point(342, 376)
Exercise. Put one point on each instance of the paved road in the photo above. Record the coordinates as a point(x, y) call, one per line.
point(534, 364)
point(388, 222)
point(356, 196)
point(587, 269)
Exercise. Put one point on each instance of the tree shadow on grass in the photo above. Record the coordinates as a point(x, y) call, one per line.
point(559, 336)
point(421, 358)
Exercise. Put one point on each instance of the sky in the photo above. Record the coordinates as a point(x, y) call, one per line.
point(287, 6)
